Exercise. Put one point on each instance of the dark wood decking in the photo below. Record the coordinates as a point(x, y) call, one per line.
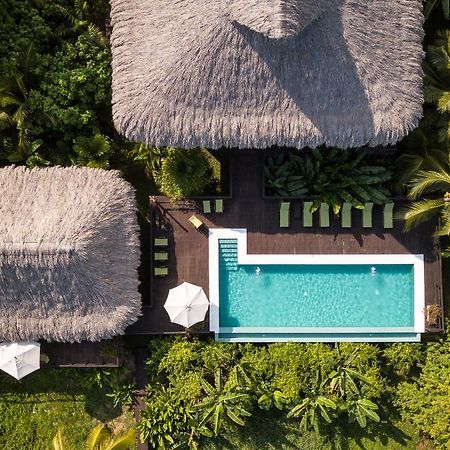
point(83, 354)
point(188, 248)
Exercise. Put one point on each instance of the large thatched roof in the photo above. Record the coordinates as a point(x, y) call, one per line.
point(257, 73)
point(69, 253)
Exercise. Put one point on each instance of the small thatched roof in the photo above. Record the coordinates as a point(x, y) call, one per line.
point(257, 73)
point(69, 253)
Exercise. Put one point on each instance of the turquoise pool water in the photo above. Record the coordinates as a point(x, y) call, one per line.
point(313, 296)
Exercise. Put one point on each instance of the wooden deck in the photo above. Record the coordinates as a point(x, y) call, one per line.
point(188, 248)
point(83, 354)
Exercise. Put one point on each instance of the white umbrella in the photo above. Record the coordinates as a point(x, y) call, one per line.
point(186, 304)
point(19, 358)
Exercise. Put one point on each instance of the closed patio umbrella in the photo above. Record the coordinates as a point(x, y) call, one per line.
point(19, 358)
point(186, 304)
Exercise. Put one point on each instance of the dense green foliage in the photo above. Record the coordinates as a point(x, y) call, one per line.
point(200, 386)
point(331, 175)
point(55, 80)
point(184, 172)
point(425, 401)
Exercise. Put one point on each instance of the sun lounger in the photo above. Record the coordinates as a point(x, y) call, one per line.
point(324, 215)
point(284, 214)
point(307, 215)
point(346, 215)
point(195, 221)
point(388, 215)
point(161, 256)
point(219, 205)
point(161, 271)
point(161, 242)
point(206, 206)
point(367, 215)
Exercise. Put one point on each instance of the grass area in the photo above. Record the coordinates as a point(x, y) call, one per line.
point(273, 432)
point(33, 409)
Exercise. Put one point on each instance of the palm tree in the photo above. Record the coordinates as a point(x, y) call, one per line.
point(223, 400)
point(436, 182)
point(100, 438)
point(17, 111)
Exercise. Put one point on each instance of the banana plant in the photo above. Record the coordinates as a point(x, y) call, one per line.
point(362, 409)
point(343, 379)
point(273, 398)
point(223, 401)
point(311, 410)
point(331, 175)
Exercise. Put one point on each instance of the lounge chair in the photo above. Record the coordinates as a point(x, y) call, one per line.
point(284, 214)
point(161, 242)
point(161, 256)
point(206, 206)
point(346, 215)
point(219, 205)
point(388, 215)
point(161, 271)
point(367, 215)
point(324, 215)
point(307, 215)
point(195, 221)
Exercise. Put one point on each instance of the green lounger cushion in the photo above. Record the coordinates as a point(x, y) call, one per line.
point(206, 206)
point(219, 205)
point(324, 215)
point(161, 242)
point(195, 221)
point(346, 215)
point(284, 214)
point(161, 256)
point(161, 271)
point(388, 215)
point(367, 215)
point(307, 215)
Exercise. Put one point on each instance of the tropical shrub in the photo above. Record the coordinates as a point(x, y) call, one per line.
point(425, 401)
point(183, 173)
point(224, 400)
point(92, 151)
point(402, 358)
point(331, 175)
point(220, 384)
point(165, 419)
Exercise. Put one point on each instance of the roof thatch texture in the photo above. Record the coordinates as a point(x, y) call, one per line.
point(69, 253)
point(258, 73)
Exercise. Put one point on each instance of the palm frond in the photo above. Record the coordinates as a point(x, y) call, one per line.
point(429, 181)
point(421, 211)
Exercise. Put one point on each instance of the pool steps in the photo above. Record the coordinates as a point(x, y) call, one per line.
point(228, 254)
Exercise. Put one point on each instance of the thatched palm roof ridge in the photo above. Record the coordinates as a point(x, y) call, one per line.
point(259, 73)
point(69, 253)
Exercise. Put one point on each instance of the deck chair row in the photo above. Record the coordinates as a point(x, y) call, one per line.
point(161, 256)
point(346, 215)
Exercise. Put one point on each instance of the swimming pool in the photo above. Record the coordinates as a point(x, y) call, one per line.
point(312, 297)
